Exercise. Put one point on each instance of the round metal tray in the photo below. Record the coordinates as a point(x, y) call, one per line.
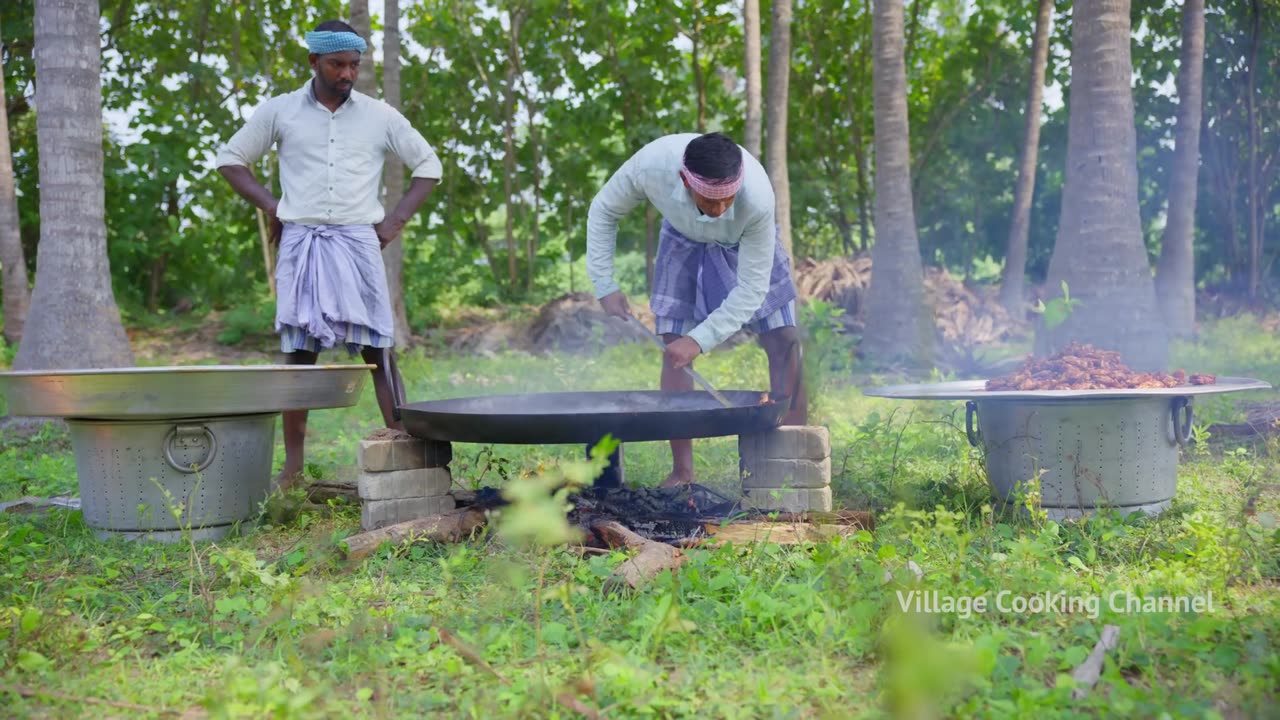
point(182, 391)
point(976, 390)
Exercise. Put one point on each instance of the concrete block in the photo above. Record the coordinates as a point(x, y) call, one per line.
point(787, 474)
point(421, 482)
point(403, 454)
point(380, 513)
point(809, 499)
point(791, 442)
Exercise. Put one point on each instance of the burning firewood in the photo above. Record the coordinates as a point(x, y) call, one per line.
point(451, 527)
point(652, 558)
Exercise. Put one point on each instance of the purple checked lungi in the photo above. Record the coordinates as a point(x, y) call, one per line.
point(332, 288)
point(691, 279)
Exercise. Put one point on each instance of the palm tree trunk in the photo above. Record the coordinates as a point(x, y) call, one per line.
point(74, 321)
point(1175, 273)
point(699, 78)
point(1099, 250)
point(509, 132)
point(393, 173)
point(367, 79)
point(1015, 265)
point(1251, 177)
point(13, 262)
point(899, 324)
point(776, 110)
point(751, 65)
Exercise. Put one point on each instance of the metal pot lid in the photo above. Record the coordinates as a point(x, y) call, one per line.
point(976, 390)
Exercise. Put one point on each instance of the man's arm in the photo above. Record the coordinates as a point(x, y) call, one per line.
point(755, 266)
point(619, 196)
point(393, 224)
point(244, 149)
point(424, 165)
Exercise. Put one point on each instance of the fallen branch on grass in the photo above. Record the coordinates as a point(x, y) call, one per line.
point(857, 519)
point(451, 527)
point(322, 492)
point(650, 560)
point(1086, 676)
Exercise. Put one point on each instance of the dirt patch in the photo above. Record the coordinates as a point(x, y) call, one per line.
point(189, 344)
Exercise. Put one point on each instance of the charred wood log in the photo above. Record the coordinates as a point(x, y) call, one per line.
point(451, 527)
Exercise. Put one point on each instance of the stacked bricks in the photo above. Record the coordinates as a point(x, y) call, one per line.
point(402, 478)
point(787, 469)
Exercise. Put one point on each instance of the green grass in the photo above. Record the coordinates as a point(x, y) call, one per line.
point(272, 623)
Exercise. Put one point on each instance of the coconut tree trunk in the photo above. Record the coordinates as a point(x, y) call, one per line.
point(13, 262)
point(899, 325)
point(367, 79)
point(1015, 265)
point(393, 173)
point(74, 321)
point(1099, 251)
point(751, 66)
point(516, 18)
point(1251, 170)
point(1175, 274)
point(776, 119)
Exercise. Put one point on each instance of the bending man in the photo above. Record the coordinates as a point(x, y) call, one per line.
point(720, 265)
point(329, 222)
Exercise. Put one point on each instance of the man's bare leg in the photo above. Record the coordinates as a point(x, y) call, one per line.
point(786, 371)
point(386, 398)
point(295, 431)
point(681, 450)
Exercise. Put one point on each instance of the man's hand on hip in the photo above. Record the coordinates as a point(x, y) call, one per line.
point(388, 230)
point(273, 222)
point(615, 304)
point(682, 351)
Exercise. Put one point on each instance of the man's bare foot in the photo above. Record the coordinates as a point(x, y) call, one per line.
point(286, 480)
point(677, 478)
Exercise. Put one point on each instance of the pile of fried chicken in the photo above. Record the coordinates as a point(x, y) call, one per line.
point(1084, 367)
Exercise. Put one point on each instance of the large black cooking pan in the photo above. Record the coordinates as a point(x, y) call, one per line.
point(586, 417)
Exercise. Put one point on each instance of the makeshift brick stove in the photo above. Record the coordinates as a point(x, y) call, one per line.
point(786, 469)
point(402, 478)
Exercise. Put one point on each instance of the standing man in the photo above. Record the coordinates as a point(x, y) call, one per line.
point(329, 222)
point(719, 266)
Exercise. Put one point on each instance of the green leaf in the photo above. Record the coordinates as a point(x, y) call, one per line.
point(30, 620)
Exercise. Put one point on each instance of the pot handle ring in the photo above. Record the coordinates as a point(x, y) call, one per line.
point(1182, 430)
point(186, 431)
point(972, 428)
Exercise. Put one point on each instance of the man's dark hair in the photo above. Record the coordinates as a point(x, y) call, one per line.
point(713, 156)
point(335, 26)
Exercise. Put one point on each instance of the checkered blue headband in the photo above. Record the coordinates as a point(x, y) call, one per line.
point(323, 42)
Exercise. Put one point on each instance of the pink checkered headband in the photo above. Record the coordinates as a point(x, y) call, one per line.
point(713, 188)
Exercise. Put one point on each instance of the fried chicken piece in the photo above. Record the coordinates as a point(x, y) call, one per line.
point(1080, 366)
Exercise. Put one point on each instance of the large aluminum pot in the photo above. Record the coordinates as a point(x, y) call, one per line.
point(1086, 453)
point(159, 478)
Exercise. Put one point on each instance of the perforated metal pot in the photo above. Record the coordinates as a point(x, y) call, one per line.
point(134, 474)
point(1089, 448)
point(1087, 453)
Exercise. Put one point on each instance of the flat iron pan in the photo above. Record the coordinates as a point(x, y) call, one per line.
point(585, 417)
